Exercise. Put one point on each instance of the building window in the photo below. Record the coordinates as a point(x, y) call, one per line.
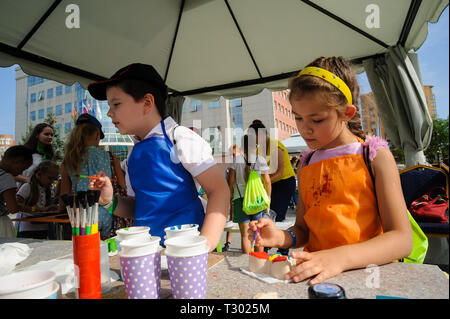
point(33, 115)
point(49, 93)
point(59, 90)
point(58, 110)
point(33, 97)
point(196, 105)
point(68, 107)
point(41, 95)
point(34, 80)
point(49, 110)
point(236, 102)
point(214, 105)
point(67, 127)
point(58, 128)
point(183, 109)
point(41, 114)
point(68, 89)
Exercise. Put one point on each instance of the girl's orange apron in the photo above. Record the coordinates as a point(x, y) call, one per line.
point(340, 203)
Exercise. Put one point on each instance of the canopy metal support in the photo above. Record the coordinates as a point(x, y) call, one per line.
point(342, 21)
point(174, 40)
point(38, 24)
point(410, 16)
point(243, 38)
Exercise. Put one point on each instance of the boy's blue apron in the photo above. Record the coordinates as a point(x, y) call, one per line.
point(165, 191)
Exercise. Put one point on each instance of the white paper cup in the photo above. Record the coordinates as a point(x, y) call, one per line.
point(181, 230)
point(139, 247)
point(32, 284)
point(137, 232)
point(186, 246)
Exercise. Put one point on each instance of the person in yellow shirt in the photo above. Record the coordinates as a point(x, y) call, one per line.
point(281, 173)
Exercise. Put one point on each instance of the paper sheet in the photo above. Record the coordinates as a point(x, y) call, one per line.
point(264, 277)
point(12, 254)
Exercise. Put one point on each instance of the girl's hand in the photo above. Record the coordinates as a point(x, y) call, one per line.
point(104, 185)
point(322, 264)
point(268, 234)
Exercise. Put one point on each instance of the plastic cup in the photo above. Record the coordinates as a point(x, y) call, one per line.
point(187, 261)
point(104, 267)
point(86, 258)
point(140, 261)
point(136, 232)
point(181, 230)
point(33, 284)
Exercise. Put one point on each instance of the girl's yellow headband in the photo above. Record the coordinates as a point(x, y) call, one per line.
point(330, 78)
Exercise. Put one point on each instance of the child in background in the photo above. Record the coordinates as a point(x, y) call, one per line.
point(84, 157)
point(165, 162)
point(37, 193)
point(239, 172)
point(14, 161)
point(40, 142)
point(342, 221)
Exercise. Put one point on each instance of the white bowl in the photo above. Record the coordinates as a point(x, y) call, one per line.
point(27, 284)
point(186, 246)
point(181, 230)
point(54, 293)
point(139, 247)
point(136, 232)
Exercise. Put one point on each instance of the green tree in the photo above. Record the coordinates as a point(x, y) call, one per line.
point(438, 148)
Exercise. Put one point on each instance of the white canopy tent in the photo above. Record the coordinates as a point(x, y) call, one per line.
point(205, 49)
point(295, 144)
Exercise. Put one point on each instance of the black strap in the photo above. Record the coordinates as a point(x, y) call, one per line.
point(366, 152)
point(173, 134)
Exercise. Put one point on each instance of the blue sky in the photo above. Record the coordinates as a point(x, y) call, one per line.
point(433, 59)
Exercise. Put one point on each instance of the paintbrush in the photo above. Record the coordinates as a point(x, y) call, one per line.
point(68, 202)
point(94, 177)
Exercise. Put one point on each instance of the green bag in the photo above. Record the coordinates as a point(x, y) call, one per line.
point(255, 197)
point(420, 240)
point(420, 244)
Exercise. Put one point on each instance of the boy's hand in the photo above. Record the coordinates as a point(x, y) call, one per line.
point(104, 185)
point(268, 234)
point(322, 264)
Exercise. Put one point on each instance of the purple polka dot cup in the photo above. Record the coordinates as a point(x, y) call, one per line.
point(187, 261)
point(140, 262)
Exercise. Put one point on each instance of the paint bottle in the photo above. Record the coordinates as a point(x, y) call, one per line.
point(326, 291)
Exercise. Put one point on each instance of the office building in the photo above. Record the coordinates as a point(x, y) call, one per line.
point(5, 142)
point(36, 98)
point(222, 122)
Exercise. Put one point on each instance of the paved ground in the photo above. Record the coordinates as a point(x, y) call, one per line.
point(236, 237)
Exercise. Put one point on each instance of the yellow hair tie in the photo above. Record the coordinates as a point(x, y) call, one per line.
point(330, 78)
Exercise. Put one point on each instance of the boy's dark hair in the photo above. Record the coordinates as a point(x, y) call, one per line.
point(18, 151)
point(137, 89)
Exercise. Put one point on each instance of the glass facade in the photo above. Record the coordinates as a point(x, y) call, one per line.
point(113, 141)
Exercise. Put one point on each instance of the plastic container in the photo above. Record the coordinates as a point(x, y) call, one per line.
point(86, 258)
point(137, 232)
point(33, 284)
point(104, 267)
point(186, 246)
point(181, 230)
point(140, 262)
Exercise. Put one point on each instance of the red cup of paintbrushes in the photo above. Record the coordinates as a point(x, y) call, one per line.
point(86, 259)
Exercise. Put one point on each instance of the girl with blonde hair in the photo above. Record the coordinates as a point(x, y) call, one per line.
point(84, 157)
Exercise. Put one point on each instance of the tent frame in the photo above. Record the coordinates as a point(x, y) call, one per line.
point(20, 53)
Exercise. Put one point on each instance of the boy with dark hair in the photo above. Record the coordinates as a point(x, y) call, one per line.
point(15, 160)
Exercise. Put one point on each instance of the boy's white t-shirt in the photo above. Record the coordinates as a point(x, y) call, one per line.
point(259, 165)
point(24, 192)
point(192, 151)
